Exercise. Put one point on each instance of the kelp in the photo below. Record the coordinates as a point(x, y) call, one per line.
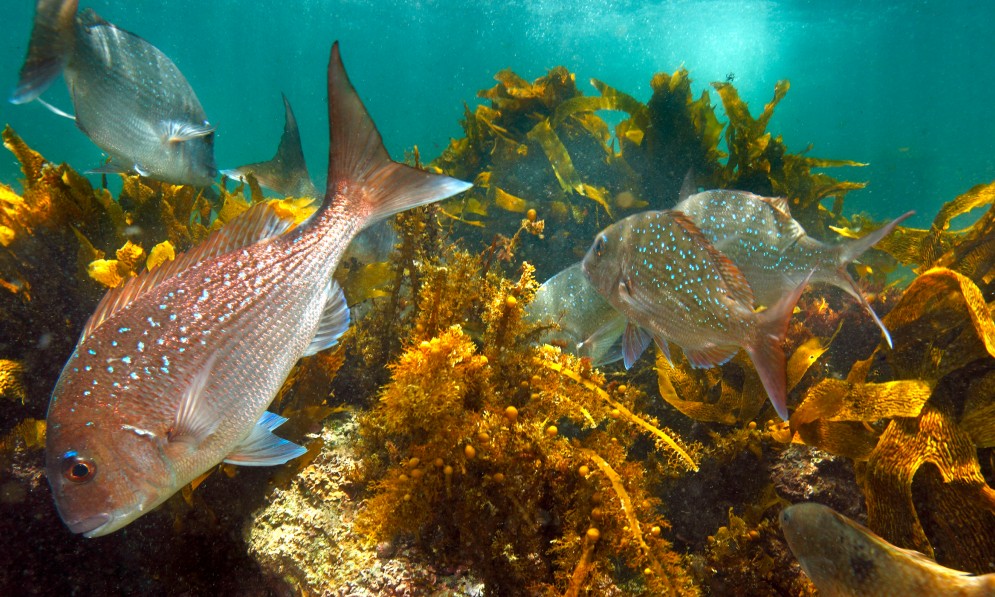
point(478, 428)
point(544, 145)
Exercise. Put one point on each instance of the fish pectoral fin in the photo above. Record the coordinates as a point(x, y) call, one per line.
point(334, 320)
point(139, 170)
point(235, 174)
point(634, 342)
point(604, 345)
point(178, 132)
point(195, 419)
point(108, 168)
point(710, 356)
point(55, 110)
point(262, 448)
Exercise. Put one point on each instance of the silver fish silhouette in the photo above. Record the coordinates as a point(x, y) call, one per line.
point(129, 98)
point(588, 325)
point(287, 172)
point(845, 559)
point(661, 272)
point(772, 249)
point(174, 371)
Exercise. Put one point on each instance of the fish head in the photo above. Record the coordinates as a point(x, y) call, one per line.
point(826, 544)
point(104, 473)
point(605, 262)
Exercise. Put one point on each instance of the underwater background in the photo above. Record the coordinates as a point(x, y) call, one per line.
point(514, 467)
point(902, 86)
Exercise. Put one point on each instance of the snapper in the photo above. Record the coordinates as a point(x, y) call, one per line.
point(772, 249)
point(129, 97)
point(174, 371)
point(673, 285)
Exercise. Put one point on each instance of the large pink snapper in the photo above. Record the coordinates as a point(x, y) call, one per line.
point(175, 369)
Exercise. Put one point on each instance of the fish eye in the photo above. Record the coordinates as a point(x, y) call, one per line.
point(78, 469)
point(600, 245)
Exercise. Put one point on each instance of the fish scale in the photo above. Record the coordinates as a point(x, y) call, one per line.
point(174, 371)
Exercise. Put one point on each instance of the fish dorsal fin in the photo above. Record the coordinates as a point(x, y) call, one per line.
point(779, 204)
point(739, 288)
point(262, 448)
point(334, 320)
point(258, 223)
point(195, 420)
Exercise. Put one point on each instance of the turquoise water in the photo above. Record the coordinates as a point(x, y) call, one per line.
point(906, 87)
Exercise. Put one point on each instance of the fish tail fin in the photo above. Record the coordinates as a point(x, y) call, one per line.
point(767, 349)
point(52, 40)
point(359, 167)
point(850, 251)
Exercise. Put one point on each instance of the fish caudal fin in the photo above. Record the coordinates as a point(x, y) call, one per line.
point(52, 41)
point(359, 167)
point(850, 251)
point(766, 349)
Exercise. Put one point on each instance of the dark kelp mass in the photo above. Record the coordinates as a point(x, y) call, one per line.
point(448, 449)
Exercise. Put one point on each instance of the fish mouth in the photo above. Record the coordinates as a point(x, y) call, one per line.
point(89, 527)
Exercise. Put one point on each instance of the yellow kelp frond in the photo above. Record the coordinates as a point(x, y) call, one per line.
point(705, 395)
point(834, 414)
point(160, 254)
point(12, 381)
point(113, 272)
point(956, 491)
point(940, 325)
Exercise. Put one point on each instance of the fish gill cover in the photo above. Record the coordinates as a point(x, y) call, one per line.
point(448, 448)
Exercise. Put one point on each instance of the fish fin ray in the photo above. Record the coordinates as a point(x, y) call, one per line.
point(710, 356)
point(359, 164)
point(778, 204)
point(173, 131)
point(52, 39)
point(688, 186)
point(610, 334)
point(194, 419)
point(849, 251)
point(739, 288)
point(846, 282)
point(661, 343)
point(334, 321)
point(108, 168)
point(257, 223)
point(634, 342)
point(55, 110)
point(262, 447)
point(766, 350)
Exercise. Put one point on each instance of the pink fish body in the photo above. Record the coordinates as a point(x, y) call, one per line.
point(174, 371)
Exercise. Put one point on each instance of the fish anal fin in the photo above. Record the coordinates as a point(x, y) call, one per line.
point(735, 281)
point(262, 448)
point(334, 321)
point(257, 223)
point(195, 419)
point(359, 164)
point(766, 347)
point(661, 343)
point(710, 356)
point(634, 342)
